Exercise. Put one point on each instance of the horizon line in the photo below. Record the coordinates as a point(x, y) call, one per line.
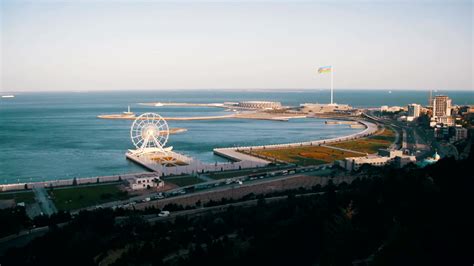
point(235, 89)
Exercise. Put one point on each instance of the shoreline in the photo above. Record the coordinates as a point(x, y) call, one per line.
point(235, 152)
point(370, 128)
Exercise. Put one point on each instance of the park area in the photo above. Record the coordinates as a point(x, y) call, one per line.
point(306, 155)
point(242, 172)
point(316, 155)
point(77, 197)
point(182, 181)
point(11, 199)
point(380, 140)
point(23, 196)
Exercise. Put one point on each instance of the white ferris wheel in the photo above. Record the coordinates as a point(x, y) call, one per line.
point(149, 133)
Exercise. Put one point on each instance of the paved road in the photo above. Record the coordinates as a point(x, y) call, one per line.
point(342, 149)
point(222, 184)
point(46, 205)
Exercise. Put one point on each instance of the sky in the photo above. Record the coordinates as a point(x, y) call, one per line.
point(151, 45)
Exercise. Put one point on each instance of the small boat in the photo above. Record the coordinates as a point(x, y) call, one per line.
point(8, 96)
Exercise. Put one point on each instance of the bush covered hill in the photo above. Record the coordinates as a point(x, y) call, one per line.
point(404, 216)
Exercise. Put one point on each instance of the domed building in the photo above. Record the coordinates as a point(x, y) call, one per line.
point(430, 160)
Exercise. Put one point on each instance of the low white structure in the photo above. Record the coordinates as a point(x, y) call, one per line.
point(145, 182)
point(324, 108)
point(442, 120)
point(390, 109)
point(259, 105)
point(384, 157)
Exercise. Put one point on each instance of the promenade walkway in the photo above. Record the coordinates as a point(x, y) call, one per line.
point(235, 154)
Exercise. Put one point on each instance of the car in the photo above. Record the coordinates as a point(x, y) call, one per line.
point(164, 214)
point(159, 196)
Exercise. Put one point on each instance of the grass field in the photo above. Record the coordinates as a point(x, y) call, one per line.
point(380, 140)
point(183, 180)
point(80, 197)
point(231, 174)
point(26, 197)
point(307, 155)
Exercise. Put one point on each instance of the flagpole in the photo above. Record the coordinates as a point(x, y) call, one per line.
point(332, 84)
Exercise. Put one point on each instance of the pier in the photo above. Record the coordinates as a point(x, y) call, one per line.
point(193, 166)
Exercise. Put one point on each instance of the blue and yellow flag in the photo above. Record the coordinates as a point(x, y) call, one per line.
point(324, 69)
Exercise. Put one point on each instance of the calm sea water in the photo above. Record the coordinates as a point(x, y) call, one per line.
point(46, 136)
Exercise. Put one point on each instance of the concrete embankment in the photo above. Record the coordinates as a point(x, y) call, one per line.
point(186, 104)
point(70, 181)
point(246, 115)
point(121, 117)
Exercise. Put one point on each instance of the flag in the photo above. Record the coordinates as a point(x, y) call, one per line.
point(324, 69)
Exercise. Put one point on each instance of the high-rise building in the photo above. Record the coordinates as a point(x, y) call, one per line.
point(441, 106)
point(414, 110)
point(442, 111)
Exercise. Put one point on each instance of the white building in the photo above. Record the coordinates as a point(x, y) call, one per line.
point(458, 133)
point(259, 105)
point(145, 181)
point(390, 109)
point(414, 110)
point(324, 108)
point(441, 106)
point(384, 157)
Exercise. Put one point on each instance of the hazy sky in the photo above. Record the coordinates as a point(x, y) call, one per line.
point(105, 45)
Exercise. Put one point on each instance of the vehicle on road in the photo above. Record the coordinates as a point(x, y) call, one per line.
point(164, 214)
point(159, 196)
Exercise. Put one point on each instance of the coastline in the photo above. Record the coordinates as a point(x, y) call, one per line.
point(234, 152)
point(227, 153)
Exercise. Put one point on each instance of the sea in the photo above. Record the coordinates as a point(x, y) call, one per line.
point(57, 135)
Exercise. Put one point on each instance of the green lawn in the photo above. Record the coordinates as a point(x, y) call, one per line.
point(306, 155)
point(183, 180)
point(26, 197)
point(80, 197)
point(234, 173)
point(380, 140)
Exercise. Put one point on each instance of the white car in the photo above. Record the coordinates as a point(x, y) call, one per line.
point(164, 214)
